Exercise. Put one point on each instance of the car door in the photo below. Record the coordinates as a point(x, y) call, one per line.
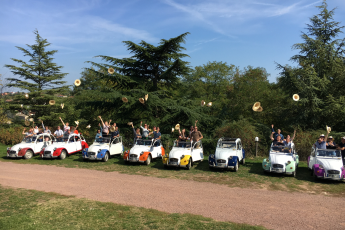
point(71, 145)
point(38, 144)
point(46, 141)
point(197, 151)
point(312, 159)
point(239, 150)
point(116, 146)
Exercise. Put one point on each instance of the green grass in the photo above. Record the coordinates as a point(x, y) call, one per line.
point(250, 175)
point(30, 209)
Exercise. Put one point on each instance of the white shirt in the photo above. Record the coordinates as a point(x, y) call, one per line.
point(58, 132)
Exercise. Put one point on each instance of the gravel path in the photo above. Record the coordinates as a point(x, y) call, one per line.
point(272, 209)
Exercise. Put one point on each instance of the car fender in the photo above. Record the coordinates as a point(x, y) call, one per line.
point(233, 161)
point(102, 153)
point(317, 170)
point(22, 152)
point(126, 155)
point(165, 159)
point(58, 151)
point(144, 156)
point(308, 161)
point(211, 159)
point(185, 160)
point(243, 153)
point(163, 151)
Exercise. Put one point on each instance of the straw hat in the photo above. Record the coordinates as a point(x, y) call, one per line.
point(27, 123)
point(259, 109)
point(209, 104)
point(62, 105)
point(26, 96)
point(202, 103)
point(142, 101)
point(256, 106)
point(21, 105)
point(328, 129)
point(51, 102)
point(295, 97)
point(124, 99)
point(111, 70)
point(77, 122)
point(89, 126)
point(177, 127)
point(130, 123)
point(31, 119)
point(112, 129)
point(172, 130)
point(146, 97)
point(77, 82)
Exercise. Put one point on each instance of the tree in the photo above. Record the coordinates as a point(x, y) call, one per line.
point(40, 76)
point(319, 77)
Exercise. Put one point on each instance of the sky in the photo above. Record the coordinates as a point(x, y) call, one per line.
point(258, 33)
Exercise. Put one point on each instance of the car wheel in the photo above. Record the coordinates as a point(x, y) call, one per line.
point(243, 161)
point(189, 164)
point(63, 155)
point(165, 166)
point(28, 155)
point(106, 157)
point(236, 166)
point(148, 160)
point(314, 175)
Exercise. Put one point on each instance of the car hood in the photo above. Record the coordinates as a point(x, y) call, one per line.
point(178, 152)
point(137, 149)
point(224, 153)
point(280, 158)
point(97, 146)
point(22, 145)
point(330, 163)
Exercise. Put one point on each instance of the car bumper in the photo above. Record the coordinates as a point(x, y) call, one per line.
point(279, 172)
point(48, 156)
point(222, 166)
point(13, 156)
point(330, 178)
point(92, 158)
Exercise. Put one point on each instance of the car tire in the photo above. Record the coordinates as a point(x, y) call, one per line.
point(28, 155)
point(148, 160)
point(314, 175)
point(106, 157)
point(243, 161)
point(63, 154)
point(166, 166)
point(236, 167)
point(189, 164)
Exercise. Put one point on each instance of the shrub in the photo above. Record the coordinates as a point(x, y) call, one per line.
point(11, 135)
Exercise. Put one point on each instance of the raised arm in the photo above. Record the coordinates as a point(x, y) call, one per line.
point(43, 126)
point(62, 121)
point(24, 131)
point(294, 134)
point(196, 121)
point(272, 128)
point(101, 120)
point(326, 138)
point(272, 136)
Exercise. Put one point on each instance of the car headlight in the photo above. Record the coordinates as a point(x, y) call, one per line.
point(19, 149)
point(267, 160)
point(8, 148)
point(54, 149)
point(182, 157)
point(212, 156)
point(141, 153)
point(320, 167)
point(99, 150)
point(230, 157)
point(289, 162)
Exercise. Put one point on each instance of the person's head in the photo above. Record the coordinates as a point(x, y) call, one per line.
point(321, 138)
point(154, 128)
point(288, 138)
point(138, 131)
point(58, 128)
point(279, 131)
point(46, 127)
point(183, 130)
point(279, 138)
point(69, 131)
point(98, 131)
point(191, 128)
point(46, 138)
point(343, 140)
point(145, 126)
point(330, 139)
point(30, 130)
point(116, 128)
point(67, 124)
point(157, 129)
point(195, 128)
point(106, 123)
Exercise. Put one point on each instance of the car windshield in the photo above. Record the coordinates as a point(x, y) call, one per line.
point(328, 153)
point(226, 144)
point(182, 144)
point(103, 140)
point(29, 139)
point(281, 149)
point(143, 142)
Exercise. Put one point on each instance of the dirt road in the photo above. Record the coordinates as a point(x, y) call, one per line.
point(272, 209)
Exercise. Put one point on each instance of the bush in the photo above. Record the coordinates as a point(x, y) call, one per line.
point(11, 135)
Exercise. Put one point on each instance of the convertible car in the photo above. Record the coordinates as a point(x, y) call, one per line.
point(64, 147)
point(103, 149)
point(144, 151)
point(30, 146)
point(229, 153)
point(326, 164)
point(282, 160)
point(184, 154)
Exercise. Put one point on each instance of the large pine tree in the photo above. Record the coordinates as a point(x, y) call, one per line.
point(41, 78)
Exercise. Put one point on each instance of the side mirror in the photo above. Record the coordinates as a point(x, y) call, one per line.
point(130, 144)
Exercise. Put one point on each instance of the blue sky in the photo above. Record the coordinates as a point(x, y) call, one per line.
point(247, 32)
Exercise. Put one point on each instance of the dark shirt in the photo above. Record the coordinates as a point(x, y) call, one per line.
point(331, 147)
point(183, 137)
point(196, 135)
point(276, 134)
point(278, 143)
point(114, 134)
point(156, 134)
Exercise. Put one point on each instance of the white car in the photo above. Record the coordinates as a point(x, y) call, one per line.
point(184, 154)
point(144, 151)
point(326, 164)
point(104, 148)
point(282, 159)
point(229, 153)
point(30, 146)
point(63, 148)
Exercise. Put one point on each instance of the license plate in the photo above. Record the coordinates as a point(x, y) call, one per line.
point(277, 170)
point(173, 163)
point(12, 155)
point(333, 175)
point(133, 159)
point(221, 164)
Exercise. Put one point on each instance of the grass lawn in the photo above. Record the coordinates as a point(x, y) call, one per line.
point(30, 209)
point(250, 175)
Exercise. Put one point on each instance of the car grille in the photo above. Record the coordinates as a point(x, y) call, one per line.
point(278, 166)
point(91, 153)
point(173, 160)
point(133, 156)
point(47, 152)
point(13, 152)
point(333, 172)
point(221, 161)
